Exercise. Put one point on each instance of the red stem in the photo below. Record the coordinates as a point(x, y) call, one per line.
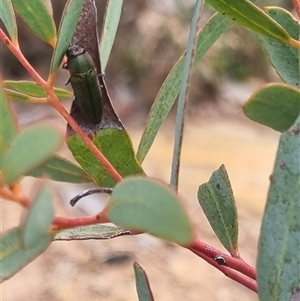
point(233, 263)
point(296, 4)
point(60, 223)
point(10, 195)
point(19, 55)
point(236, 276)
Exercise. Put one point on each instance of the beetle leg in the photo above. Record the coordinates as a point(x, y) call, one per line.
point(68, 81)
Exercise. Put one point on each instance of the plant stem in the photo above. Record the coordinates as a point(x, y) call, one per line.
point(17, 198)
point(19, 55)
point(233, 263)
point(238, 277)
point(60, 223)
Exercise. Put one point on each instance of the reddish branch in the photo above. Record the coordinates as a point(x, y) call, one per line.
point(17, 198)
point(234, 275)
point(19, 55)
point(233, 263)
point(60, 223)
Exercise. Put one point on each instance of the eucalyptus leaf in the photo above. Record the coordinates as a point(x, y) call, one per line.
point(109, 29)
point(49, 6)
point(8, 129)
point(7, 15)
point(116, 146)
point(36, 15)
point(13, 256)
point(87, 33)
point(284, 58)
point(29, 149)
point(17, 96)
point(168, 92)
point(66, 30)
point(276, 106)
point(217, 201)
point(247, 14)
point(278, 262)
point(142, 284)
point(183, 94)
point(109, 135)
point(62, 170)
point(147, 205)
point(32, 89)
point(38, 219)
point(91, 232)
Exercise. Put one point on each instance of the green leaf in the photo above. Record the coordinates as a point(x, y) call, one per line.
point(13, 257)
point(17, 96)
point(109, 29)
point(87, 33)
point(147, 205)
point(91, 232)
point(8, 18)
point(38, 219)
point(29, 149)
point(116, 146)
point(249, 15)
point(109, 135)
point(8, 129)
point(142, 284)
point(217, 201)
point(183, 95)
point(36, 15)
point(284, 58)
point(65, 32)
point(276, 106)
point(62, 93)
point(278, 262)
point(49, 7)
point(62, 170)
point(32, 89)
point(166, 97)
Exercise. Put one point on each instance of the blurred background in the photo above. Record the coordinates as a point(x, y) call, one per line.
point(151, 37)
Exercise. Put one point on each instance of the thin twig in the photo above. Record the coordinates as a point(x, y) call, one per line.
point(238, 277)
point(231, 262)
point(19, 55)
point(61, 223)
point(17, 198)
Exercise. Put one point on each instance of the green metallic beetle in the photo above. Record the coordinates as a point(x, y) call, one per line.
point(84, 82)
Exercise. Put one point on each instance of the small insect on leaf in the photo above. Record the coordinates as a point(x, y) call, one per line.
point(84, 81)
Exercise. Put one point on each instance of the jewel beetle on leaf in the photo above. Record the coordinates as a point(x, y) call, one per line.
point(84, 82)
